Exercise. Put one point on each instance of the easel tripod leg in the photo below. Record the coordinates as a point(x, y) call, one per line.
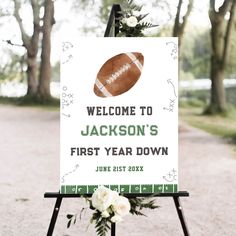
point(113, 229)
point(181, 216)
point(54, 216)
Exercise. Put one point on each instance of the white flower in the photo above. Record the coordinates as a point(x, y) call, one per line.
point(132, 21)
point(124, 21)
point(121, 206)
point(105, 214)
point(103, 198)
point(116, 219)
point(136, 13)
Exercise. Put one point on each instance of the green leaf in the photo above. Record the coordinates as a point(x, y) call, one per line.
point(142, 16)
point(69, 216)
point(137, 204)
point(69, 224)
point(102, 226)
point(72, 219)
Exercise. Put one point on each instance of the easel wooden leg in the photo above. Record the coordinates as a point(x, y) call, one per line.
point(181, 215)
point(113, 229)
point(54, 216)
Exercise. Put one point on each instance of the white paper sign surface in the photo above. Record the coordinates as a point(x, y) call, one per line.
point(119, 115)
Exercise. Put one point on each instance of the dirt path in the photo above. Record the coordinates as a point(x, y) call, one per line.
point(29, 151)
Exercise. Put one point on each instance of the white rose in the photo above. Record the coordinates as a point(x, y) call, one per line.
point(114, 196)
point(136, 13)
point(103, 198)
point(132, 21)
point(116, 219)
point(121, 206)
point(105, 214)
point(124, 21)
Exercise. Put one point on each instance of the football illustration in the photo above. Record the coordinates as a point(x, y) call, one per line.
point(119, 74)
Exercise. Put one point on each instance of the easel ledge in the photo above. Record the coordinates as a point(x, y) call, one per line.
point(176, 198)
point(128, 195)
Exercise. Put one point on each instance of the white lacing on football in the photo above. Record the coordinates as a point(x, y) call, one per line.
point(102, 88)
point(135, 60)
point(118, 73)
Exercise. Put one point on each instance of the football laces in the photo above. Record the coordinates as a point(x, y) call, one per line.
point(118, 73)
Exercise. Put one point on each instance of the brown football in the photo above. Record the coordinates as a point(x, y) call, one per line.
point(118, 74)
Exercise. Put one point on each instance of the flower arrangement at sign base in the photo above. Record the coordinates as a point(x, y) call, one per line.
point(110, 207)
point(131, 22)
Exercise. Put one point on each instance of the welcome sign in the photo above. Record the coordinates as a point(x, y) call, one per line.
point(119, 115)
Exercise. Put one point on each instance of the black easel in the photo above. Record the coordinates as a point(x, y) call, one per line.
point(114, 21)
point(176, 198)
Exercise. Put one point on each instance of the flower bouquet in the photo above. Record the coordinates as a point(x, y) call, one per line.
point(109, 207)
point(131, 22)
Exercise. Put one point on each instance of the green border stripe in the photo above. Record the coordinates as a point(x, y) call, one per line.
point(124, 188)
point(132, 188)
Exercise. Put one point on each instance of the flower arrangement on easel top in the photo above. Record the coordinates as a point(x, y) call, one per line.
point(131, 22)
point(110, 207)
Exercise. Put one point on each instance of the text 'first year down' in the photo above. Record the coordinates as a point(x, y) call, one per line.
point(119, 151)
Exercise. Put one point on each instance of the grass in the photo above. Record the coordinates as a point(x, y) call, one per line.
point(223, 126)
point(48, 104)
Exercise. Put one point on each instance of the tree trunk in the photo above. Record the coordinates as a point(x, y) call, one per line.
point(181, 21)
point(221, 31)
point(30, 43)
point(218, 100)
point(45, 67)
point(31, 75)
point(180, 25)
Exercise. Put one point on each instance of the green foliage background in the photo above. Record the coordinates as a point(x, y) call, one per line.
point(195, 54)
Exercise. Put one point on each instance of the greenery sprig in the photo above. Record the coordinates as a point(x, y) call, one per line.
point(140, 203)
point(102, 225)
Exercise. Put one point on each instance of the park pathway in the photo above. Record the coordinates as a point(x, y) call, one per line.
point(29, 154)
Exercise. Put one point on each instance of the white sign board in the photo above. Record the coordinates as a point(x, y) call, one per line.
point(119, 115)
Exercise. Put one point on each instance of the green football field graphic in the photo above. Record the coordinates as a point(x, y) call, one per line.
point(148, 188)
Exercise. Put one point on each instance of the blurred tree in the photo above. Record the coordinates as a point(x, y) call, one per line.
point(37, 87)
point(181, 21)
point(31, 43)
point(221, 32)
point(56, 72)
point(45, 67)
point(201, 55)
point(10, 70)
point(231, 67)
point(106, 8)
point(195, 53)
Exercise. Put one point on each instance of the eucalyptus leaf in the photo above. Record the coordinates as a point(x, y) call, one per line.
point(69, 216)
point(69, 224)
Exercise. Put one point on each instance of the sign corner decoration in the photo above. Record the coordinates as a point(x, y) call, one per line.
point(119, 115)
